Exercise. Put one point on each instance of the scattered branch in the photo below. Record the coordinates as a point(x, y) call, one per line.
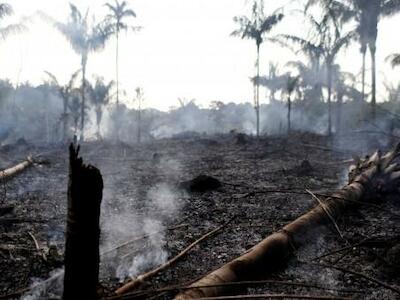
point(134, 283)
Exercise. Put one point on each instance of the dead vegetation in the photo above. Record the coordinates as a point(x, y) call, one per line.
point(265, 184)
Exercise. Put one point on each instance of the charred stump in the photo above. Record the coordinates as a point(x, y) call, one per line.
point(82, 257)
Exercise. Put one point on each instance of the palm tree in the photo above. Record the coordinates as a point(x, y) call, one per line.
point(291, 84)
point(116, 20)
point(394, 59)
point(139, 98)
point(65, 92)
point(368, 13)
point(255, 28)
point(100, 95)
point(274, 81)
point(344, 84)
point(74, 107)
point(84, 39)
point(328, 42)
point(5, 11)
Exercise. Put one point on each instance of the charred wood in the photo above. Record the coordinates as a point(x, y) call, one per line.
point(82, 257)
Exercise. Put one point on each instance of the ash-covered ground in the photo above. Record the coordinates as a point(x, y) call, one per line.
point(142, 197)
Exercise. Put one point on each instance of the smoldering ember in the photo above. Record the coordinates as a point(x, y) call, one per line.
point(175, 149)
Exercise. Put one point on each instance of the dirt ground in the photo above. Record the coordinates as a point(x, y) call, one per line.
point(142, 196)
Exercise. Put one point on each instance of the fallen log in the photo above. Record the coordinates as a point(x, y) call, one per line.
point(82, 256)
point(7, 173)
point(369, 179)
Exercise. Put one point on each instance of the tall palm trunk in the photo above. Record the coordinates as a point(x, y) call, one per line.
point(339, 112)
point(329, 66)
point(373, 91)
point(139, 123)
point(257, 91)
point(98, 120)
point(117, 64)
point(83, 90)
point(64, 117)
point(364, 52)
point(289, 115)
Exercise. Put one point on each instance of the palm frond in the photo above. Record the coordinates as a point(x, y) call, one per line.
point(53, 78)
point(11, 29)
point(128, 13)
point(305, 45)
point(343, 42)
point(270, 22)
point(117, 14)
point(5, 10)
point(112, 8)
point(73, 78)
point(394, 59)
point(389, 7)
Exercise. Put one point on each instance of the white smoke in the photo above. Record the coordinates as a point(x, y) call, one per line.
point(46, 289)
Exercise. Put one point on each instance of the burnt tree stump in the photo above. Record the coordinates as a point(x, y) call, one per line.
point(82, 257)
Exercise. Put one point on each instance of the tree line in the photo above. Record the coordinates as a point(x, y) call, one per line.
point(319, 79)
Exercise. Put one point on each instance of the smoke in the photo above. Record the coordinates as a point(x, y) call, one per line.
point(142, 218)
point(46, 289)
point(154, 254)
point(311, 273)
point(36, 114)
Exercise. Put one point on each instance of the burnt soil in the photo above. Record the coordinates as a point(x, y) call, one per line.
point(246, 170)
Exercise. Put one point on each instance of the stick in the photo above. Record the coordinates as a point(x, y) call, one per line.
point(341, 249)
point(327, 212)
point(34, 240)
point(369, 278)
point(140, 238)
point(20, 220)
point(134, 283)
point(239, 283)
point(275, 296)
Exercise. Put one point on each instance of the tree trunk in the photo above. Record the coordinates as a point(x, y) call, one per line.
point(364, 52)
point(82, 257)
point(7, 173)
point(64, 118)
point(373, 91)
point(329, 66)
point(117, 63)
point(139, 122)
point(83, 91)
point(339, 113)
point(257, 91)
point(288, 115)
point(370, 179)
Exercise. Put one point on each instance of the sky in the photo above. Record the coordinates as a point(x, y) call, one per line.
point(184, 49)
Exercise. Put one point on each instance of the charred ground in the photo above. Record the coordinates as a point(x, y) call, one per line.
point(263, 187)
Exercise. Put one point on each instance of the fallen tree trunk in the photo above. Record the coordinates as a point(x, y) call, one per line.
point(368, 179)
point(7, 173)
point(82, 256)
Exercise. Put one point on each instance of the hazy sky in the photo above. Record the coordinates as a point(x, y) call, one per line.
point(184, 49)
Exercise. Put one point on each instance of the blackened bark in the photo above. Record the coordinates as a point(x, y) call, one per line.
point(85, 191)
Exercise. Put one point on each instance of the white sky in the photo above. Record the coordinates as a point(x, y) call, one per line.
point(184, 49)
